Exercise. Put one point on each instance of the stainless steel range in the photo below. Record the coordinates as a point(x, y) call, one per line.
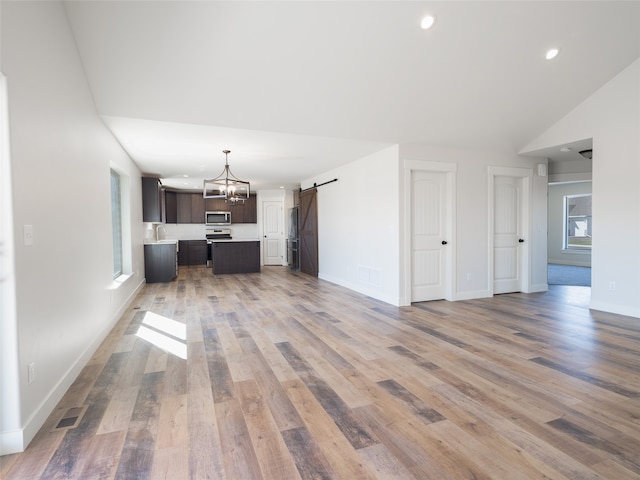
point(218, 234)
point(213, 234)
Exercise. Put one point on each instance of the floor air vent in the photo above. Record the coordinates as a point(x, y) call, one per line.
point(71, 418)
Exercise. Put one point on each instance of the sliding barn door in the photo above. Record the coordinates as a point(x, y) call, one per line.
point(308, 232)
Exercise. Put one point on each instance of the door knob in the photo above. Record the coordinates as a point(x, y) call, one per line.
point(444, 242)
point(521, 240)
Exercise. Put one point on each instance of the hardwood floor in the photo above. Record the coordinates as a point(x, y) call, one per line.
point(290, 377)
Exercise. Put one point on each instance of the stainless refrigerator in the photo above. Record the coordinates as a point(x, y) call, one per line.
point(293, 241)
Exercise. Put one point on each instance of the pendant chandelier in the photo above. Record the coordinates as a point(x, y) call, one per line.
point(227, 186)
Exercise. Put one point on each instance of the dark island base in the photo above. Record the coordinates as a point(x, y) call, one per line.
point(235, 257)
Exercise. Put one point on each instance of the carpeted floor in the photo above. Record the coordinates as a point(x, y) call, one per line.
point(568, 275)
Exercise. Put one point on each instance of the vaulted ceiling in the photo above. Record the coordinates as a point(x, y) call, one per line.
point(296, 88)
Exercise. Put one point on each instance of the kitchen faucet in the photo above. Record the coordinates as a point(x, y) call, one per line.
point(158, 232)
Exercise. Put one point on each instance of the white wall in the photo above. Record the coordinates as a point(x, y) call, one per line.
point(61, 153)
point(362, 226)
point(578, 170)
point(555, 240)
point(611, 116)
point(471, 244)
point(358, 225)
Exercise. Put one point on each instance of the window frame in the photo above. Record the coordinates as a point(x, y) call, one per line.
point(566, 218)
point(116, 224)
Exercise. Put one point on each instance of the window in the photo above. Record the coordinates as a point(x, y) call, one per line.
point(577, 222)
point(116, 223)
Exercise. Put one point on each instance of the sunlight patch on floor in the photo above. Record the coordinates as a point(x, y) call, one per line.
point(164, 333)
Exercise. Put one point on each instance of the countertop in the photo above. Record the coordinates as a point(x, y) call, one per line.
point(232, 240)
point(161, 242)
point(174, 241)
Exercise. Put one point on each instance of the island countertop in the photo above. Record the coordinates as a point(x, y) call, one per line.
point(231, 240)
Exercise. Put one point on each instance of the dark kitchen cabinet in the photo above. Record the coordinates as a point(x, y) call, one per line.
point(250, 213)
point(152, 200)
point(170, 207)
point(245, 213)
point(192, 252)
point(235, 257)
point(215, 205)
point(160, 262)
point(183, 207)
point(198, 252)
point(197, 208)
point(187, 207)
point(190, 207)
point(183, 253)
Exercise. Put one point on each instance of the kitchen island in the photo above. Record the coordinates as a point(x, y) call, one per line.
point(235, 256)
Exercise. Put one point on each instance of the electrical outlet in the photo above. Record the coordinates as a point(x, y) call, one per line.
point(468, 277)
point(612, 286)
point(32, 372)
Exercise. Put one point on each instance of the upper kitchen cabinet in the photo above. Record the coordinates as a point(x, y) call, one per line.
point(171, 206)
point(244, 213)
point(247, 213)
point(190, 207)
point(197, 208)
point(215, 205)
point(183, 207)
point(152, 200)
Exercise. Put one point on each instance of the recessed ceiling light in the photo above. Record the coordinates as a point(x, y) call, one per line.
point(428, 22)
point(281, 186)
point(565, 149)
point(551, 53)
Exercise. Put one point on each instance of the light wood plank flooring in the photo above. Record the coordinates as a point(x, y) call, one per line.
point(290, 377)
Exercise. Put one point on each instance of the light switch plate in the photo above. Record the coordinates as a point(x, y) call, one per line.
point(28, 235)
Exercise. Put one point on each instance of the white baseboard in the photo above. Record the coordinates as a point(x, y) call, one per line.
point(539, 287)
point(627, 310)
point(373, 293)
point(17, 441)
point(12, 442)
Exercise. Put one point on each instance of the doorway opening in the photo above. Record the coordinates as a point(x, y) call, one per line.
point(569, 234)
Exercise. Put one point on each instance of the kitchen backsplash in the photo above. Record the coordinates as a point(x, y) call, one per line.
point(187, 231)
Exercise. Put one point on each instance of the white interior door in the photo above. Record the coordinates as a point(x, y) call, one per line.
point(507, 234)
point(429, 236)
point(273, 233)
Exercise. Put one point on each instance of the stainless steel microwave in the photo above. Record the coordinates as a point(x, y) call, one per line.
point(217, 218)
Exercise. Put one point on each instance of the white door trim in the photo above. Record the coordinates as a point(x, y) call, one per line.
point(526, 175)
point(451, 170)
point(13, 437)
